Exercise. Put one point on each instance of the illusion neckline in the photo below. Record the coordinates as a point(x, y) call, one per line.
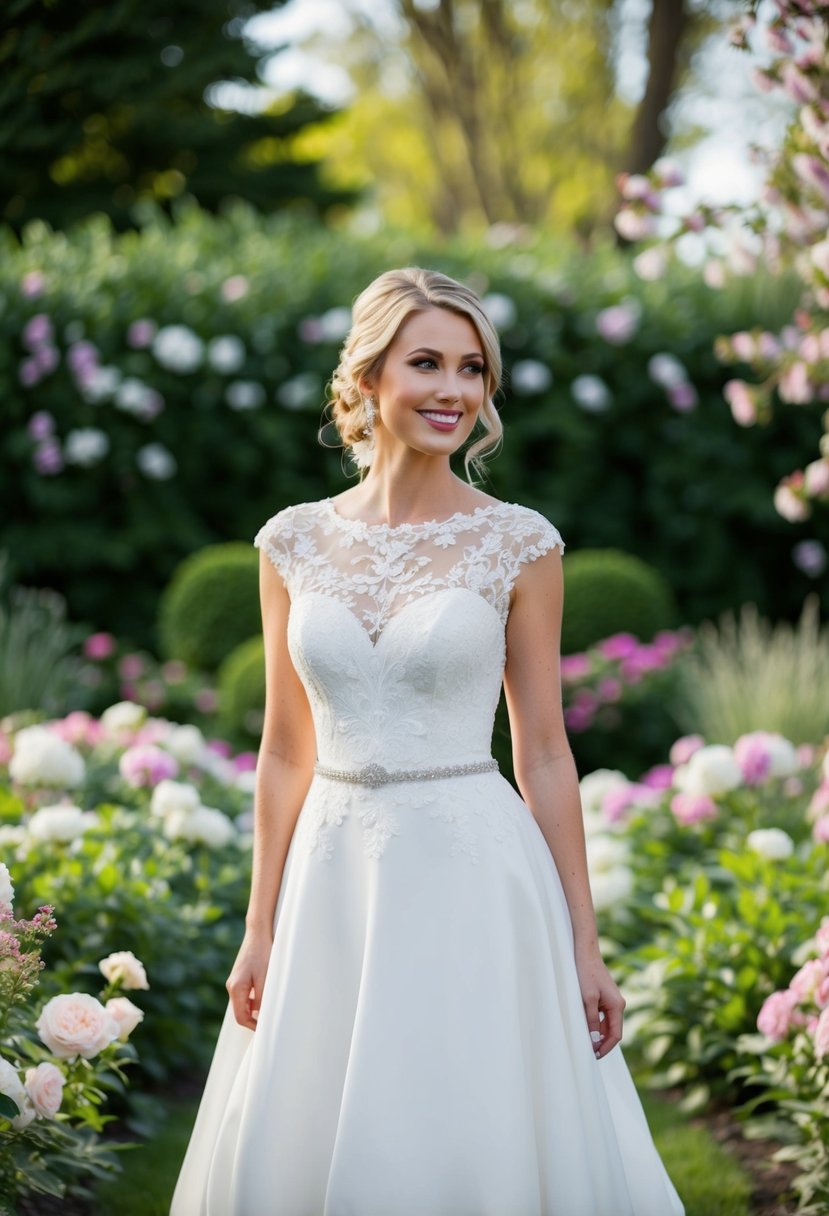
point(424, 526)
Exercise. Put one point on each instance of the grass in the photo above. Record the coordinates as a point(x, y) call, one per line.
point(710, 1182)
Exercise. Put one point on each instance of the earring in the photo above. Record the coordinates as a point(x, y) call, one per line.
point(369, 406)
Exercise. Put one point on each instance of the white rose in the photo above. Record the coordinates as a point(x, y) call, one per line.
point(711, 770)
point(126, 1015)
point(595, 785)
point(169, 796)
point(123, 715)
point(611, 887)
point(6, 888)
point(205, 825)
point(186, 743)
point(76, 1024)
point(783, 755)
point(11, 1085)
point(771, 843)
point(44, 1085)
point(124, 968)
point(62, 823)
point(42, 758)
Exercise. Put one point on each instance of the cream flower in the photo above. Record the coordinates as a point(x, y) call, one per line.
point(76, 1024)
point(126, 1015)
point(44, 1085)
point(42, 758)
point(125, 969)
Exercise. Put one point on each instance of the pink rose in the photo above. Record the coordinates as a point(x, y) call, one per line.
point(44, 1085)
point(822, 993)
point(804, 984)
point(660, 777)
point(125, 969)
point(753, 756)
point(76, 1024)
point(775, 1017)
point(99, 646)
point(820, 831)
point(146, 764)
point(618, 646)
point(688, 809)
point(822, 937)
point(574, 667)
point(126, 1015)
point(822, 1035)
point(684, 748)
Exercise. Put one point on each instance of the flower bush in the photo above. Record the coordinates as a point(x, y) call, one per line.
point(145, 848)
point(57, 1070)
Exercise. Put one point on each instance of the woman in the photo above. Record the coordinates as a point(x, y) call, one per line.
point(420, 1021)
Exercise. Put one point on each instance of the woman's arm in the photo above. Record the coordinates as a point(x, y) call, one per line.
point(545, 772)
point(283, 774)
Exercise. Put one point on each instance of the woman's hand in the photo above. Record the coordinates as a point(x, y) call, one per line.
point(247, 978)
point(600, 996)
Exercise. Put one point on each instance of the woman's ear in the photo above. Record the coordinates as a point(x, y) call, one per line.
point(365, 386)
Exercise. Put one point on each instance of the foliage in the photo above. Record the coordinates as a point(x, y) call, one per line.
point(242, 689)
point(77, 137)
point(786, 229)
point(142, 445)
point(608, 591)
point(211, 605)
point(37, 665)
point(751, 675)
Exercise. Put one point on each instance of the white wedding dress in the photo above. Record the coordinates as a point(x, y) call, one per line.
point(421, 1048)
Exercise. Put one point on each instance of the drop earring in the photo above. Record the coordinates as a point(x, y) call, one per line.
point(371, 413)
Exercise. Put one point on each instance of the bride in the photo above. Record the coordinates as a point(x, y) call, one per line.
point(420, 1021)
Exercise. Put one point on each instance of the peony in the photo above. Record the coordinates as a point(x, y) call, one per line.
point(205, 825)
point(61, 822)
point(693, 808)
point(805, 982)
point(146, 764)
point(763, 754)
point(684, 748)
point(169, 796)
point(822, 1035)
point(40, 757)
point(127, 1015)
point(44, 1086)
point(125, 969)
point(595, 785)
point(123, 716)
point(186, 743)
point(710, 770)
point(6, 889)
point(76, 1024)
point(775, 1017)
point(772, 843)
point(178, 349)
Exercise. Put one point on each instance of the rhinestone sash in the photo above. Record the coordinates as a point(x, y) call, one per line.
point(376, 774)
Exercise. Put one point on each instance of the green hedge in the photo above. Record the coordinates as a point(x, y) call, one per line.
point(210, 605)
point(607, 591)
point(688, 491)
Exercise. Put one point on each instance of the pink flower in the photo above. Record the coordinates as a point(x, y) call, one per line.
point(634, 225)
point(609, 689)
point(41, 425)
point(684, 748)
point(99, 646)
point(146, 764)
point(799, 86)
point(79, 727)
point(660, 777)
point(813, 173)
point(174, 671)
point(821, 1033)
point(28, 373)
point(125, 969)
point(206, 700)
point(44, 1085)
point(618, 323)
point(33, 284)
point(739, 396)
point(820, 830)
point(795, 386)
point(234, 288)
point(37, 331)
point(822, 993)
point(48, 457)
point(131, 667)
point(775, 1017)
point(618, 646)
point(76, 1024)
point(127, 1015)
point(245, 762)
point(683, 397)
point(753, 756)
point(804, 983)
point(141, 334)
point(688, 809)
point(822, 937)
point(574, 667)
point(789, 497)
point(817, 478)
point(577, 718)
point(621, 798)
point(6, 748)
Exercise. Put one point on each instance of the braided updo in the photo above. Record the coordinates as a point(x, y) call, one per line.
point(378, 313)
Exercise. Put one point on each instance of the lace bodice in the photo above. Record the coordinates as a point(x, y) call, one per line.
point(398, 633)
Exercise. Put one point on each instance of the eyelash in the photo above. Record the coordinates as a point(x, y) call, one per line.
point(478, 368)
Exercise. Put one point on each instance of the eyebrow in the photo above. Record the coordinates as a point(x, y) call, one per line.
point(427, 350)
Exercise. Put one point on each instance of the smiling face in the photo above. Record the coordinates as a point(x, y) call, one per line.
point(432, 383)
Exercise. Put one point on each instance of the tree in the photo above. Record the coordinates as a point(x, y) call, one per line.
point(109, 102)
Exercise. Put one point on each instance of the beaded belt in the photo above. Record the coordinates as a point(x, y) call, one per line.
point(375, 774)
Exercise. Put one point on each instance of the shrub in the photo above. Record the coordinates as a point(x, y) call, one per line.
point(607, 591)
point(210, 605)
point(242, 689)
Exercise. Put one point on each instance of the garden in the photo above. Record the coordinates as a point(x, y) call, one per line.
point(163, 369)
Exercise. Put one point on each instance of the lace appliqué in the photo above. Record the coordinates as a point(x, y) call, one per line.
point(375, 810)
point(466, 819)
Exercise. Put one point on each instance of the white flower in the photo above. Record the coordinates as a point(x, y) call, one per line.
point(611, 887)
point(204, 825)
point(186, 743)
point(595, 785)
point(123, 715)
point(246, 781)
point(85, 446)
point(42, 758)
point(666, 370)
point(245, 395)
point(169, 796)
point(299, 391)
point(156, 461)
point(335, 324)
point(126, 1014)
point(591, 393)
point(6, 887)
point(771, 843)
point(651, 264)
point(711, 770)
point(226, 353)
point(131, 396)
point(124, 968)
point(11, 1085)
point(61, 822)
point(100, 383)
point(12, 834)
point(178, 349)
point(783, 756)
point(528, 376)
point(500, 309)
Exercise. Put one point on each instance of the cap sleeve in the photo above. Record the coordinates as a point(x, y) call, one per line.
point(530, 536)
point(275, 538)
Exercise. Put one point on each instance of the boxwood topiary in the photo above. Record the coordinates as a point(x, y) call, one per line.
point(210, 605)
point(241, 684)
point(608, 591)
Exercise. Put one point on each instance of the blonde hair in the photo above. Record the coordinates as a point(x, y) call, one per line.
point(379, 312)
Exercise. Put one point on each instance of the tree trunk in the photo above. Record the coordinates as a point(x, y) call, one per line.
point(666, 27)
